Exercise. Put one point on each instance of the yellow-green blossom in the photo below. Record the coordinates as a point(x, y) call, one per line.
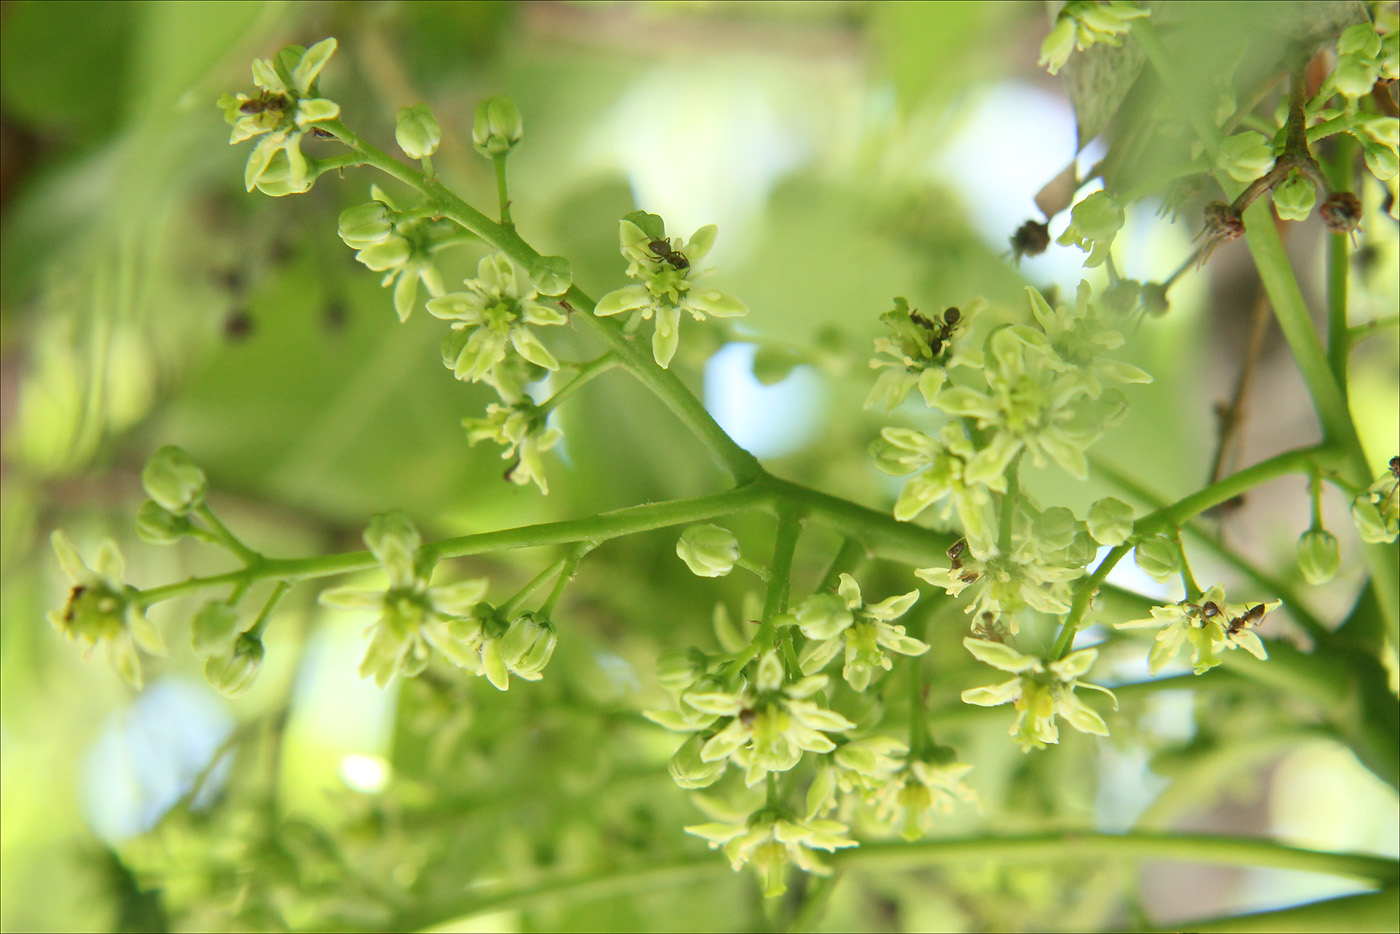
point(770, 842)
point(1040, 691)
point(286, 108)
point(770, 723)
point(1208, 626)
point(103, 608)
point(928, 788)
point(665, 268)
point(834, 622)
point(521, 429)
point(494, 317)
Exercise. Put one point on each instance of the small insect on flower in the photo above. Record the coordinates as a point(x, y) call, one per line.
point(664, 251)
point(1251, 616)
point(940, 330)
point(263, 103)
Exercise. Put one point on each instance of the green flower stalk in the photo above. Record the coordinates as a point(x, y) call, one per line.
point(102, 608)
point(493, 319)
point(843, 621)
point(288, 106)
point(664, 268)
point(1208, 627)
point(1041, 691)
point(771, 842)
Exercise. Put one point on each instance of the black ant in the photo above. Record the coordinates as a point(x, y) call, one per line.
point(955, 553)
point(663, 250)
point(990, 629)
point(939, 331)
point(263, 103)
point(1251, 616)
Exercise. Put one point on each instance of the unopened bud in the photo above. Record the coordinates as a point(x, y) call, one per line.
point(1318, 556)
point(173, 481)
point(1159, 556)
point(365, 225)
point(689, 770)
point(1294, 197)
point(551, 275)
point(159, 526)
point(234, 674)
point(1110, 521)
point(417, 132)
point(708, 550)
point(528, 644)
point(497, 126)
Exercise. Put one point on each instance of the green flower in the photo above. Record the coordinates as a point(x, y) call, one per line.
point(414, 619)
point(1040, 691)
point(862, 766)
point(664, 268)
point(771, 842)
point(1376, 511)
point(863, 631)
point(234, 673)
point(1083, 23)
point(522, 430)
point(285, 109)
point(496, 313)
point(928, 788)
point(1078, 337)
point(1208, 627)
point(1007, 584)
point(920, 349)
point(1034, 401)
point(102, 608)
point(496, 126)
point(401, 249)
point(771, 722)
point(942, 465)
point(1295, 197)
point(1094, 223)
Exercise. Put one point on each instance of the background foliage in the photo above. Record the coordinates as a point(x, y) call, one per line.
point(849, 152)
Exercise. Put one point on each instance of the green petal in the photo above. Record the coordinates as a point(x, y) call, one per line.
point(627, 298)
point(1000, 656)
point(312, 61)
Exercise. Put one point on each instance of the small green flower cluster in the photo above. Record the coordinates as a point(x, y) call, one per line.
point(416, 619)
point(665, 270)
point(288, 105)
point(1207, 626)
point(1083, 23)
point(1048, 390)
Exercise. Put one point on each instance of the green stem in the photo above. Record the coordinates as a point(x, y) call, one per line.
point(499, 160)
point(1008, 506)
point(256, 630)
point(507, 609)
point(784, 546)
point(226, 538)
point(566, 574)
point(1046, 848)
point(1339, 173)
point(585, 373)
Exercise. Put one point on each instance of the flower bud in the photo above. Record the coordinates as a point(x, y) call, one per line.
point(159, 526)
point(1246, 156)
point(234, 674)
point(689, 770)
point(1110, 521)
point(1318, 556)
point(1055, 528)
point(173, 481)
point(394, 541)
point(1341, 212)
point(386, 255)
point(678, 669)
point(364, 225)
point(1294, 197)
point(551, 275)
point(823, 616)
point(1159, 556)
point(497, 126)
point(417, 132)
point(215, 630)
point(528, 644)
point(708, 550)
